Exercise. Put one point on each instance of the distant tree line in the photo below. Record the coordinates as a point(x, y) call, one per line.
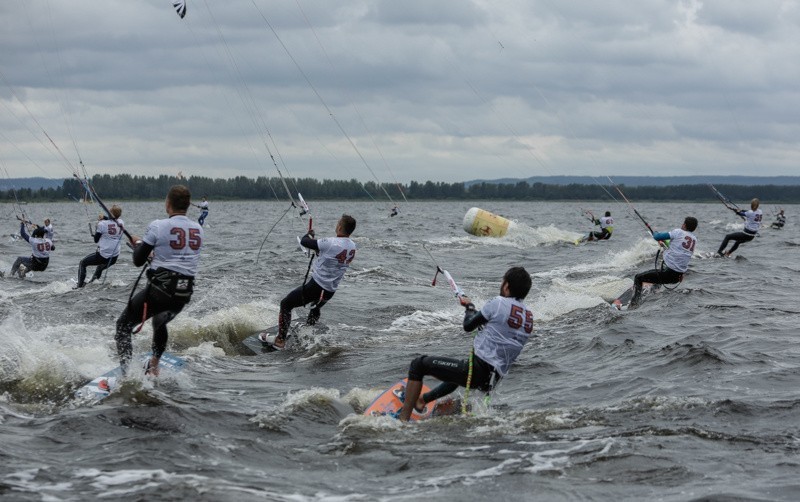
point(128, 187)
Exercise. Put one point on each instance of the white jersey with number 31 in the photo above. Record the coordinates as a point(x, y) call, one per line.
point(680, 251)
point(176, 244)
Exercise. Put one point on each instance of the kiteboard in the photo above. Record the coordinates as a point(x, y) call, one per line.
point(388, 403)
point(623, 301)
point(252, 346)
point(102, 386)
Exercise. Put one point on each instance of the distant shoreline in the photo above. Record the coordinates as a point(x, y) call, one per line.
point(125, 187)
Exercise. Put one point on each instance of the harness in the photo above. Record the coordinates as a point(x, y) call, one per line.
point(662, 269)
point(168, 282)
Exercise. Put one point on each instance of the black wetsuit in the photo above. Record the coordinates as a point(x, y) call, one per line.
point(453, 373)
point(165, 295)
point(310, 292)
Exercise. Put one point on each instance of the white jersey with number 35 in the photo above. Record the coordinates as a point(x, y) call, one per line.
point(752, 220)
point(502, 338)
point(176, 244)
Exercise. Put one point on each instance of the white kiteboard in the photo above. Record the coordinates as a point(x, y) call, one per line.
point(102, 386)
point(253, 346)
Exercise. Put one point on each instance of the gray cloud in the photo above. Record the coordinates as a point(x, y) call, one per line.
point(448, 90)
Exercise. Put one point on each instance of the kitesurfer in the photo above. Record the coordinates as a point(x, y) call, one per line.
point(505, 324)
point(203, 206)
point(41, 247)
point(108, 235)
point(394, 212)
point(175, 243)
point(780, 220)
point(334, 257)
point(606, 227)
point(752, 222)
point(48, 229)
point(682, 242)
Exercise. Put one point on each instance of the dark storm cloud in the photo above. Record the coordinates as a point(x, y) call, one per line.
point(448, 90)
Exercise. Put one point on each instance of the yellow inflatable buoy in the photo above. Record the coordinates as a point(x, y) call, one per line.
point(485, 224)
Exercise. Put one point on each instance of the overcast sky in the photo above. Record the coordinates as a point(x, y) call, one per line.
point(442, 90)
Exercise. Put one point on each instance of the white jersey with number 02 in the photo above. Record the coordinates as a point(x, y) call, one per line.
point(176, 244)
point(502, 338)
point(335, 255)
point(40, 246)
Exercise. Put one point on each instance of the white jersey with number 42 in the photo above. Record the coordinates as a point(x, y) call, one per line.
point(335, 255)
point(176, 244)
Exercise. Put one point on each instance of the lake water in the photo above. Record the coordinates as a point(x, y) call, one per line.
point(692, 396)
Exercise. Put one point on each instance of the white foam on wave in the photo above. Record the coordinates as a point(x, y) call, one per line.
point(624, 260)
point(36, 288)
point(523, 236)
point(425, 318)
point(206, 349)
point(52, 354)
point(28, 481)
point(358, 425)
point(130, 481)
point(221, 325)
point(552, 304)
point(294, 401)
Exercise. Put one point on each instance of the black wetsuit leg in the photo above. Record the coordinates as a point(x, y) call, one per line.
point(452, 372)
point(737, 238)
point(89, 261)
point(655, 276)
point(161, 307)
point(22, 260)
point(107, 262)
point(310, 292)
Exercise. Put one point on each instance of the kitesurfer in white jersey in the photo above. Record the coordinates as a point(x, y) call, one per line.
point(40, 246)
point(752, 222)
point(334, 255)
point(606, 227)
point(175, 243)
point(505, 324)
point(677, 256)
point(108, 236)
point(48, 229)
point(203, 206)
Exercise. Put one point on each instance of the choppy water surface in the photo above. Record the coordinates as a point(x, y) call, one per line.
point(693, 395)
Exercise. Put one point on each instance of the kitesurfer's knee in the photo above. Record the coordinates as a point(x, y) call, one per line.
point(416, 371)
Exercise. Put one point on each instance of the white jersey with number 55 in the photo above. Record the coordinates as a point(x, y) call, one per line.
point(176, 244)
point(502, 338)
point(335, 255)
